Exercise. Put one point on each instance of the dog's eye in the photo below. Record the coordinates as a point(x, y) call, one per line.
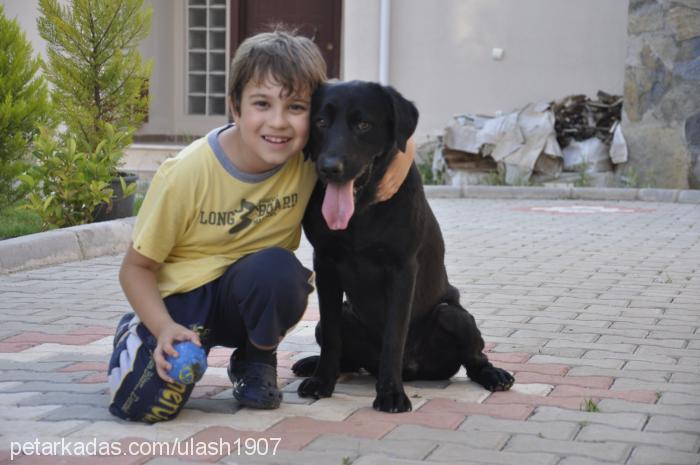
point(363, 126)
point(321, 123)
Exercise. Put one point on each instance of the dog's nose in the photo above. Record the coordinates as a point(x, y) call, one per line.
point(331, 167)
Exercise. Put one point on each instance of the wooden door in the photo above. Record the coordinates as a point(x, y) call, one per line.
point(317, 19)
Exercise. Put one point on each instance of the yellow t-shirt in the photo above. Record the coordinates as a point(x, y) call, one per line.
point(201, 214)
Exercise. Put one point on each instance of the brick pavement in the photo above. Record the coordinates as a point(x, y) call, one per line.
point(585, 305)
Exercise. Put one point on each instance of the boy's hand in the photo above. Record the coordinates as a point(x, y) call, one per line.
point(169, 335)
point(396, 172)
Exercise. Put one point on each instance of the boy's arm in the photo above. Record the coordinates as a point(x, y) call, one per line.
point(138, 280)
point(396, 172)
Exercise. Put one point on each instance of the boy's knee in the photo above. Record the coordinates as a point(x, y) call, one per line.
point(278, 272)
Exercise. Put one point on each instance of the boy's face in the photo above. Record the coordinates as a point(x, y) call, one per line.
point(272, 126)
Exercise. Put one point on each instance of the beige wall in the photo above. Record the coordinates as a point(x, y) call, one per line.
point(166, 46)
point(440, 52)
point(26, 12)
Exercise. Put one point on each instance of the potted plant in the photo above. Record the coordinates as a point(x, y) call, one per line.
point(99, 83)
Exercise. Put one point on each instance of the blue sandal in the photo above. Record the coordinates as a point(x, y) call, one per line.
point(254, 384)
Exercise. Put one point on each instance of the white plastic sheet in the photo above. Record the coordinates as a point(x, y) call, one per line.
point(523, 141)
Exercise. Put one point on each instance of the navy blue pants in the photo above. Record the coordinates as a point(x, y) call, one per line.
point(260, 297)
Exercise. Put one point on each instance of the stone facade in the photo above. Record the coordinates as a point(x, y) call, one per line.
point(661, 113)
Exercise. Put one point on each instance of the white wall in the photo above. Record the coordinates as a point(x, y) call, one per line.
point(441, 52)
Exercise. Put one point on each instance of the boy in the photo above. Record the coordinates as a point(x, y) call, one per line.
point(211, 261)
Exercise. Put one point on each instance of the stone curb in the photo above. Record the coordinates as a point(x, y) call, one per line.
point(564, 193)
point(112, 237)
point(65, 245)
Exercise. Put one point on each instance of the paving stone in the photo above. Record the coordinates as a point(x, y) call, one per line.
point(649, 455)
point(25, 357)
point(101, 347)
point(510, 411)
point(505, 398)
point(675, 398)
point(78, 412)
point(115, 430)
point(65, 398)
point(610, 339)
point(551, 429)
point(29, 430)
point(601, 382)
point(418, 417)
point(652, 376)
point(480, 439)
point(633, 421)
point(416, 448)
point(293, 457)
point(544, 368)
point(577, 391)
point(48, 387)
point(679, 441)
point(597, 363)
point(622, 348)
point(14, 399)
point(691, 412)
point(534, 389)
point(623, 383)
point(244, 443)
point(664, 423)
point(26, 412)
point(573, 460)
point(656, 358)
point(172, 461)
point(356, 427)
point(685, 378)
point(603, 450)
point(453, 453)
point(8, 365)
point(48, 376)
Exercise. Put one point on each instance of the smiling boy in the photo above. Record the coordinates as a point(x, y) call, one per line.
point(211, 257)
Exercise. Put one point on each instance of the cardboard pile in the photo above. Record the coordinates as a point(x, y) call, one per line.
point(537, 142)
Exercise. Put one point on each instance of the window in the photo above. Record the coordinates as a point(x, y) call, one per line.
point(206, 57)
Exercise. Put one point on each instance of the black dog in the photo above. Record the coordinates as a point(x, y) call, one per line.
point(402, 319)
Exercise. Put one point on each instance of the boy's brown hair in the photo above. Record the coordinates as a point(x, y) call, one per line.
point(292, 61)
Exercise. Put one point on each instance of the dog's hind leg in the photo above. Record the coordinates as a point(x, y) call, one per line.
point(358, 351)
point(466, 337)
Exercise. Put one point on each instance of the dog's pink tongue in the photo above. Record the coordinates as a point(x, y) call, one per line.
point(338, 205)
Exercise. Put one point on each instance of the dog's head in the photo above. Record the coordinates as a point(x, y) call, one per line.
point(356, 129)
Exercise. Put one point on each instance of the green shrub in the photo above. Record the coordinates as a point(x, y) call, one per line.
point(23, 106)
point(95, 68)
point(66, 184)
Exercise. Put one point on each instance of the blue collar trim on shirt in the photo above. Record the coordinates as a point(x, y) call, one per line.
point(213, 139)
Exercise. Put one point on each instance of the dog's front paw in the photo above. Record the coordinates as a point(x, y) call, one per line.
point(315, 387)
point(495, 379)
point(392, 402)
point(306, 366)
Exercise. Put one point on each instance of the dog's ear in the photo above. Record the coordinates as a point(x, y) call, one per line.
point(311, 148)
point(405, 117)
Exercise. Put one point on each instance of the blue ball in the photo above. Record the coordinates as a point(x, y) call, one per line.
point(190, 365)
